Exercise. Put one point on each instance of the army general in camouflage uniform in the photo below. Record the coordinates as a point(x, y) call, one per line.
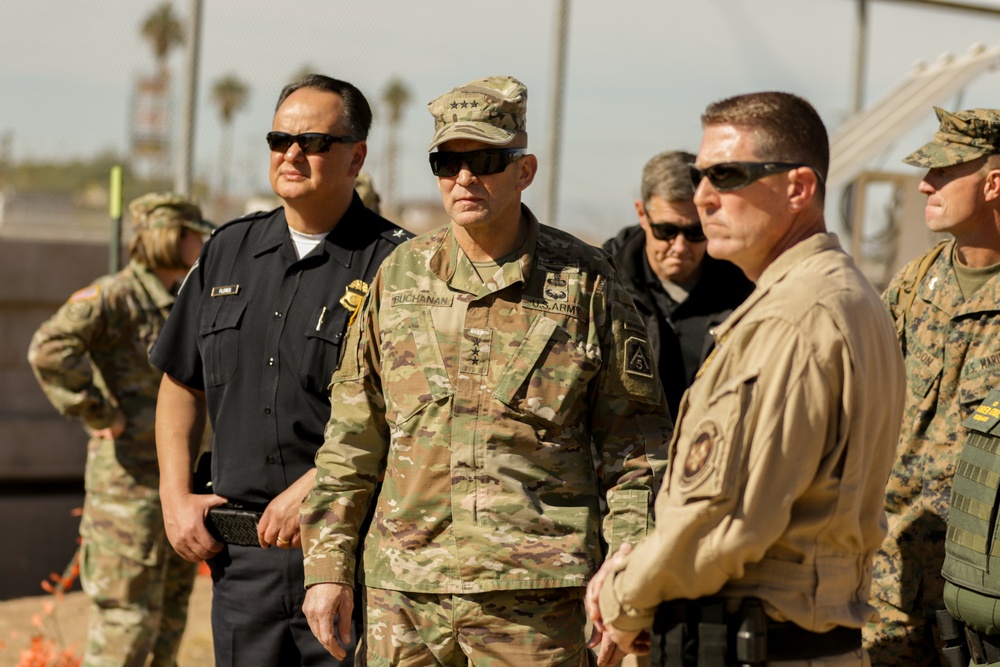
point(501, 381)
point(91, 359)
point(950, 326)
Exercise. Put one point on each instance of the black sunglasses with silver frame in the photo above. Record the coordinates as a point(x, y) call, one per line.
point(729, 176)
point(311, 143)
point(480, 163)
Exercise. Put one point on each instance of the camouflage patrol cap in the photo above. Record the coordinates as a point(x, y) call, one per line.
point(962, 137)
point(156, 210)
point(490, 110)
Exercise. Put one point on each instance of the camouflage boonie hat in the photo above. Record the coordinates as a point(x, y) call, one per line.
point(490, 110)
point(165, 209)
point(962, 137)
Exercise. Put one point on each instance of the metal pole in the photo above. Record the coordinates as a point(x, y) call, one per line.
point(555, 122)
point(115, 211)
point(185, 159)
point(860, 56)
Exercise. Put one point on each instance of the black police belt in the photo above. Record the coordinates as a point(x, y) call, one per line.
point(700, 633)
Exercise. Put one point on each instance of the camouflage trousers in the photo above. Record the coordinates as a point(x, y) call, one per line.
point(533, 627)
point(138, 610)
point(901, 639)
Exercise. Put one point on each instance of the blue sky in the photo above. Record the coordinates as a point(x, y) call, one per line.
point(639, 74)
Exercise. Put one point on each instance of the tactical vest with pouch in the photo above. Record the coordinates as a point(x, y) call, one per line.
point(972, 548)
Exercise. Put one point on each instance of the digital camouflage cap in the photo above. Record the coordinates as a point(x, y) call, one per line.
point(963, 136)
point(157, 210)
point(490, 110)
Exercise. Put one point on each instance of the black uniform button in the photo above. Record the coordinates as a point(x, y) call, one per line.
point(270, 459)
point(270, 361)
point(277, 314)
point(267, 411)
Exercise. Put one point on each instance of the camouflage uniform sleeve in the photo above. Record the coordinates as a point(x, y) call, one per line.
point(351, 460)
point(59, 355)
point(890, 297)
point(630, 421)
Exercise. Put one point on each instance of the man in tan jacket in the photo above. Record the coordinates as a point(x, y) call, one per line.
point(771, 509)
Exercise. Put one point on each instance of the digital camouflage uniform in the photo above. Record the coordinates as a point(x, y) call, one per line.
point(500, 414)
point(952, 361)
point(91, 359)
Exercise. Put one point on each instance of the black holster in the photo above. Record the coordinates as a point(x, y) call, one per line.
point(952, 631)
point(699, 633)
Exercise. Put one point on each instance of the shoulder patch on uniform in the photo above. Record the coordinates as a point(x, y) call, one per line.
point(85, 294)
point(701, 457)
point(638, 357)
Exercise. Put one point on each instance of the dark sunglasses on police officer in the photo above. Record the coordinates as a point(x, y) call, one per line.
point(668, 231)
point(729, 176)
point(480, 163)
point(310, 142)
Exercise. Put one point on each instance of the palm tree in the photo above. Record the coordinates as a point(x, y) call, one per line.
point(151, 144)
point(395, 96)
point(164, 32)
point(230, 95)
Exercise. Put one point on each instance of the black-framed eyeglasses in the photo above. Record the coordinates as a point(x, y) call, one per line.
point(310, 142)
point(729, 176)
point(668, 231)
point(480, 163)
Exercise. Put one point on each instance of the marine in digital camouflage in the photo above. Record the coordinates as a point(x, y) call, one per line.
point(962, 136)
point(499, 412)
point(952, 361)
point(91, 360)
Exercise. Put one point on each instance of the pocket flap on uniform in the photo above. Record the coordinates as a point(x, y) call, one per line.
point(226, 316)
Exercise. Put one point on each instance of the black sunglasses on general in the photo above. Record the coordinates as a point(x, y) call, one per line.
point(480, 163)
point(729, 176)
point(668, 231)
point(310, 142)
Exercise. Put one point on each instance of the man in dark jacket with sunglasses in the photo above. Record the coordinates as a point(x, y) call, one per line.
point(681, 292)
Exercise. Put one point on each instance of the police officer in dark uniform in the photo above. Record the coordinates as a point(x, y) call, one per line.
point(252, 343)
